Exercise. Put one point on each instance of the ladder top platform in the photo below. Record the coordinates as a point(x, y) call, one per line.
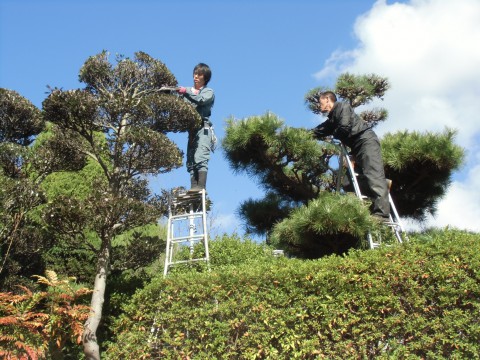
point(189, 194)
point(187, 197)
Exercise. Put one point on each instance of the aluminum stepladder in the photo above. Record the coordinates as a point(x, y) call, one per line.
point(394, 221)
point(186, 226)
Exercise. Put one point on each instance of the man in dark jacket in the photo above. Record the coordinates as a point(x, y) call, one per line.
point(352, 131)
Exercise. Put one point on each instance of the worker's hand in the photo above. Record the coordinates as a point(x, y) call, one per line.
point(182, 90)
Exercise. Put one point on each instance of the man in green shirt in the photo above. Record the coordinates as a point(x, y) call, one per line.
point(201, 141)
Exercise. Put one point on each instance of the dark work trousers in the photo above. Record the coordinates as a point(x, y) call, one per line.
point(368, 156)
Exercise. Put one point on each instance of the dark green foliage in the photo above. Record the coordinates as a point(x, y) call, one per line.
point(55, 153)
point(76, 184)
point(21, 236)
point(295, 169)
point(148, 150)
point(138, 248)
point(356, 89)
point(285, 160)
point(231, 250)
point(417, 300)
point(20, 120)
point(101, 212)
point(420, 166)
point(361, 89)
point(331, 223)
point(259, 215)
point(72, 257)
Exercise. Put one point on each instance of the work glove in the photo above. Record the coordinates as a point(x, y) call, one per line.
point(182, 90)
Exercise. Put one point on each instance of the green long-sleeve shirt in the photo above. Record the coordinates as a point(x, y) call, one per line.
point(203, 101)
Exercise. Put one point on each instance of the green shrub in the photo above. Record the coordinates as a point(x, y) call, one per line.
point(415, 300)
point(330, 224)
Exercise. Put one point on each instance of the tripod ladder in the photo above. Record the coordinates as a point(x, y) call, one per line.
point(186, 227)
point(394, 221)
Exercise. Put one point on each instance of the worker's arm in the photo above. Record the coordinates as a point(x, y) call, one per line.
point(323, 130)
point(199, 98)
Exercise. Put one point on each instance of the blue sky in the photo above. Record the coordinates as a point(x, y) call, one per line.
point(265, 55)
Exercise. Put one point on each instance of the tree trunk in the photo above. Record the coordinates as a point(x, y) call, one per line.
point(89, 336)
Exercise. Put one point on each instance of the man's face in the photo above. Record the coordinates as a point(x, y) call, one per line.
point(198, 80)
point(325, 105)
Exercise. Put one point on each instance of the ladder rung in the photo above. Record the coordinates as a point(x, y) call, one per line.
point(186, 216)
point(185, 238)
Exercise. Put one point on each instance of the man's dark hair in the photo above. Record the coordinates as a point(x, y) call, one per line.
point(328, 95)
point(203, 69)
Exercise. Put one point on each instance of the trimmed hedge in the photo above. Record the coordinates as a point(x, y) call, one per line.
point(416, 300)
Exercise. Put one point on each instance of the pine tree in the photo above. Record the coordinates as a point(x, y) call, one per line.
point(302, 211)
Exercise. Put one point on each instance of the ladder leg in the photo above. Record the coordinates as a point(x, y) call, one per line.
point(394, 219)
point(168, 249)
point(399, 228)
point(205, 233)
point(353, 178)
point(191, 229)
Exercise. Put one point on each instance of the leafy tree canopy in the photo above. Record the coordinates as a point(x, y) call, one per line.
point(123, 103)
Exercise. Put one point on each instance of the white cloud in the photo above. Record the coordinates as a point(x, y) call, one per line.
point(460, 207)
point(220, 224)
point(429, 51)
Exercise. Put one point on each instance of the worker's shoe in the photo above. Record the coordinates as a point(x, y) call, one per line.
point(198, 182)
point(382, 219)
point(194, 186)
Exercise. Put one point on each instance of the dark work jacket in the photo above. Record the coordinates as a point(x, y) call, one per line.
point(343, 124)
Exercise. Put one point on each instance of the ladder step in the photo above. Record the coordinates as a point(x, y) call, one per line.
point(185, 238)
point(188, 216)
